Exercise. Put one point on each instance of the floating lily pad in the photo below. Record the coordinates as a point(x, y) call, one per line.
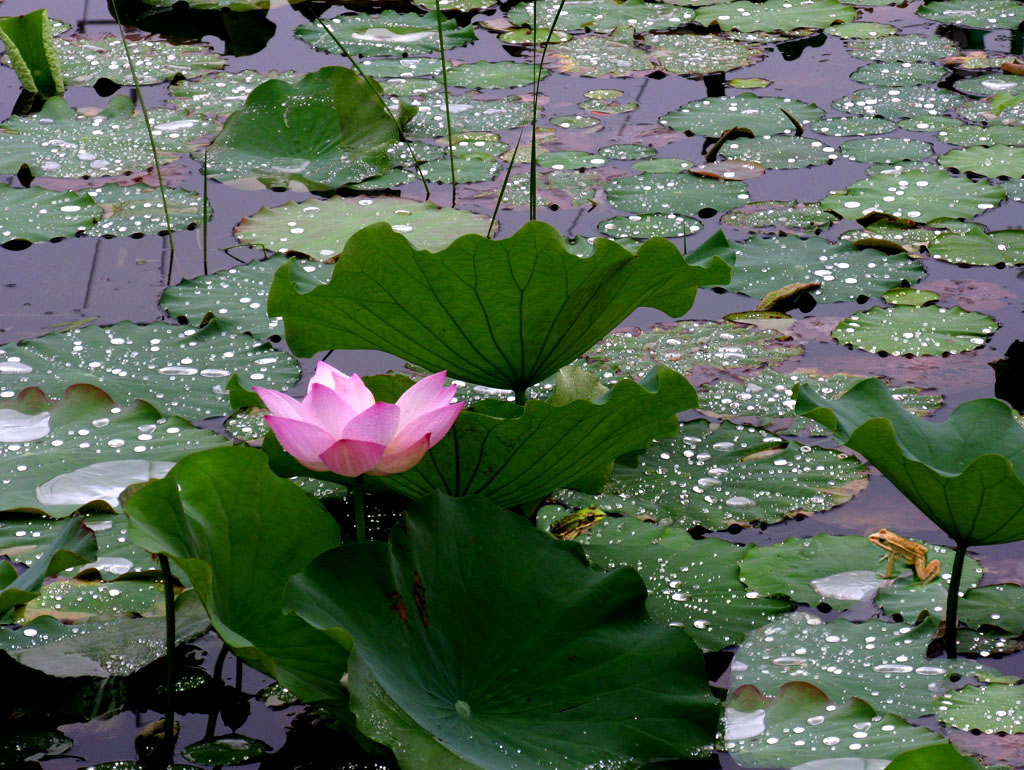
point(649, 226)
point(856, 30)
point(772, 15)
point(993, 708)
point(967, 135)
point(1000, 605)
point(325, 131)
point(699, 54)
point(627, 152)
point(768, 398)
point(472, 142)
point(780, 151)
point(542, 36)
point(386, 33)
point(599, 15)
point(730, 170)
point(898, 102)
point(686, 345)
point(602, 107)
point(917, 331)
point(58, 141)
point(81, 601)
point(599, 57)
point(221, 93)
point(179, 369)
point(899, 73)
point(35, 214)
point(763, 115)
point(802, 727)
point(84, 449)
point(918, 195)
point(936, 124)
point(480, 167)
point(140, 209)
point(853, 126)
point(663, 165)
point(771, 217)
point(485, 74)
point(989, 111)
point(980, 14)
point(885, 149)
point(749, 83)
point(996, 161)
point(885, 664)
point(85, 60)
point(228, 750)
point(570, 159)
point(897, 48)
point(468, 114)
point(988, 85)
point(908, 296)
point(907, 597)
point(845, 272)
point(320, 228)
point(976, 247)
point(716, 475)
point(653, 192)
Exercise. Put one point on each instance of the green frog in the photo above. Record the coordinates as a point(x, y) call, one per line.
point(576, 523)
point(906, 551)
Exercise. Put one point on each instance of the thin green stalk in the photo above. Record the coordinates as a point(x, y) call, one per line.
point(165, 569)
point(504, 184)
point(206, 208)
point(152, 141)
point(359, 506)
point(401, 131)
point(953, 599)
point(520, 396)
point(537, 69)
point(447, 105)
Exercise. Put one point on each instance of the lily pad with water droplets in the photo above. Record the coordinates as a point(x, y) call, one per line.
point(717, 475)
point(897, 48)
point(995, 161)
point(140, 209)
point(61, 142)
point(885, 150)
point(485, 74)
point(561, 160)
point(320, 228)
point(683, 193)
point(181, 370)
point(479, 167)
point(85, 60)
point(853, 126)
point(899, 73)
point(993, 708)
point(980, 14)
point(768, 398)
point(600, 15)
point(58, 456)
point(854, 30)
point(649, 226)
point(599, 57)
point(976, 247)
point(763, 115)
point(35, 214)
point(918, 195)
point(905, 596)
point(885, 664)
point(467, 114)
point(780, 151)
point(801, 727)
point(1001, 606)
point(387, 33)
point(775, 15)
point(219, 94)
point(967, 135)
point(845, 271)
point(780, 217)
point(700, 54)
point(988, 85)
point(918, 331)
point(898, 102)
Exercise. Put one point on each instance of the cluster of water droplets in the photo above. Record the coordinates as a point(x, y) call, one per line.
point(922, 331)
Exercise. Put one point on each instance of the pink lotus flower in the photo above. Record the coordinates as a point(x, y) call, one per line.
point(339, 427)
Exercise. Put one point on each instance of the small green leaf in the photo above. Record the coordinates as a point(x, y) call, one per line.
point(921, 331)
point(32, 52)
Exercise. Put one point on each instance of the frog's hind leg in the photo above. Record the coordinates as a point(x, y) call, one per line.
point(926, 573)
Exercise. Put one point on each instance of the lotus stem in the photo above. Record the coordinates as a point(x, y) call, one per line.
point(447, 104)
point(953, 599)
point(359, 506)
point(520, 396)
point(168, 578)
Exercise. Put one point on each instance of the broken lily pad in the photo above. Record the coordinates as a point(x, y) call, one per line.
point(140, 209)
point(717, 475)
point(780, 217)
point(35, 214)
point(85, 60)
point(919, 331)
point(918, 195)
point(775, 15)
point(84, 449)
point(763, 115)
point(689, 54)
point(387, 33)
point(320, 228)
point(179, 369)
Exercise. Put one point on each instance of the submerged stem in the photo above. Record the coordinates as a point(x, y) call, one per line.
point(447, 105)
point(359, 506)
point(168, 578)
point(520, 396)
point(953, 599)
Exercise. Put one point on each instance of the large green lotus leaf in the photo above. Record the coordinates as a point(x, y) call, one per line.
point(997, 160)
point(386, 33)
point(767, 397)
point(693, 584)
point(237, 297)
point(699, 54)
point(467, 114)
point(885, 664)
point(58, 141)
point(654, 192)
point(239, 532)
point(490, 312)
point(139, 209)
point(965, 474)
point(780, 217)
point(179, 369)
point(717, 475)
point(104, 648)
point(85, 60)
point(600, 16)
point(685, 345)
point(57, 456)
point(35, 214)
point(31, 52)
point(896, 103)
point(918, 195)
point(440, 641)
point(525, 455)
point(976, 247)
point(918, 331)
point(845, 271)
point(320, 228)
point(900, 48)
point(221, 93)
point(73, 544)
point(999, 605)
point(992, 708)
point(886, 149)
point(775, 152)
point(595, 56)
point(980, 14)
point(930, 757)
point(775, 15)
point(325, 131)
point(802, 727)
point(763, 115)
point(899, 73)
